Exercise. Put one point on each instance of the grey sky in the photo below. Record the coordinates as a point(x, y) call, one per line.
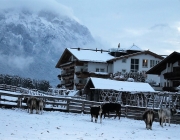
point(149, 24)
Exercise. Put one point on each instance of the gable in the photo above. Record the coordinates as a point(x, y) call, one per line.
point(172, 58)
point(137, 55)
point(85, 55)
point(64, 58)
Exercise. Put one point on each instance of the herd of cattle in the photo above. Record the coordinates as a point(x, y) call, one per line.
point(34, 103)
point(148, 116)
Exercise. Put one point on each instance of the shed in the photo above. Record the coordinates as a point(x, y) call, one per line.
point(107, 90)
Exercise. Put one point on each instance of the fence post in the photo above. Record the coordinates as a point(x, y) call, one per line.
point(68, 103)
point(126, 111)
point(19, 102)
point(83, 104)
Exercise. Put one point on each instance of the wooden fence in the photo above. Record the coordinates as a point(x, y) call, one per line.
point(68, 104)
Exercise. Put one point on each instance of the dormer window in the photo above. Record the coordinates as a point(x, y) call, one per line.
point(145, 63)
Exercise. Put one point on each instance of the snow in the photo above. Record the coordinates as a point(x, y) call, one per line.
point(100, 83)
point(18, 124)
point(89, 55)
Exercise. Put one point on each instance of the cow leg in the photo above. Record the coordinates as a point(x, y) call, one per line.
point(146, 124)
point(37, 112)
point(96, 118)
point(100, 116)
point(31, 110)
point(150, 125)
point(41, 110)
point(165, 121)
point(119, 115)
point(161, 121)
point(91, 118)
point(169, 121)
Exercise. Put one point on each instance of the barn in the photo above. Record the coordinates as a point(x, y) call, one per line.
point(126, 93)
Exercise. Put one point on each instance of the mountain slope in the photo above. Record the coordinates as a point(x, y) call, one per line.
point(32, 42)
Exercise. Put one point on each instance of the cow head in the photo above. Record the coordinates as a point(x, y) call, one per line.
point(173, 111)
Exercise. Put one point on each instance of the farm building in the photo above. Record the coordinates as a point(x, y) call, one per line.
point(128, 93)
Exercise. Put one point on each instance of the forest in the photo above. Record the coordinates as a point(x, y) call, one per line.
point(18, 81)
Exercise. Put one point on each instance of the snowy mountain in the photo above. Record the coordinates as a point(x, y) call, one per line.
point(32, 42)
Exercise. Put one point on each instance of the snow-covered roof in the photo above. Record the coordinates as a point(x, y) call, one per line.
point(134, 48)
point(89, 55)
point(100, 83)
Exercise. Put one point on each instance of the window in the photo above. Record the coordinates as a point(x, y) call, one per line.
point(101, 70)
point(152, 63)
point(123, 60)
point(97, 69)
point(157, 62)
point(134, 65)
point(145, 63)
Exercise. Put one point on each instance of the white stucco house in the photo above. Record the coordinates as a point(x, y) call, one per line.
point(77, 64)
point(140, 61)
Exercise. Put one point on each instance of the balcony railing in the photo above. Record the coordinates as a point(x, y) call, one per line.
point(170, 89)
point(84, 74)
point(172, 75)
point(79, 86)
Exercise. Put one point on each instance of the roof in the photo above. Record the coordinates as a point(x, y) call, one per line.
point(100, 83)
point(89, 55)
point(85, 55)
point(157, 69)
point(138, 53)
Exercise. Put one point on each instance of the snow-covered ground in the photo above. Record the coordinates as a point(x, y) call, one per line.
point(17, 124)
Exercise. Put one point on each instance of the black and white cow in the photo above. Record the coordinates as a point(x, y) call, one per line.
point(111, 107)
point(148, 117)
point(166, 113)
point(95, 112)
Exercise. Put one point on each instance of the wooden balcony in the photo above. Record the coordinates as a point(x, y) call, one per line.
point(170, 89)
point(79, 86)
point(69, 85)
point(172, 75)
point(84, 74)
point(67, 76)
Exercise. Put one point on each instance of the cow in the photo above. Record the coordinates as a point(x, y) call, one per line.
point(166, 113)
point(111, 107)
point(95, 111)
point(27, 101)
point(32, 103)
point(148, 117)
point(40, 104)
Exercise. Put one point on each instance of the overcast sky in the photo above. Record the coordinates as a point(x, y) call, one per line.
point(149, 24)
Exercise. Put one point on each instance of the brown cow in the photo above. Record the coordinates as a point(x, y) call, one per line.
point(148, 117)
